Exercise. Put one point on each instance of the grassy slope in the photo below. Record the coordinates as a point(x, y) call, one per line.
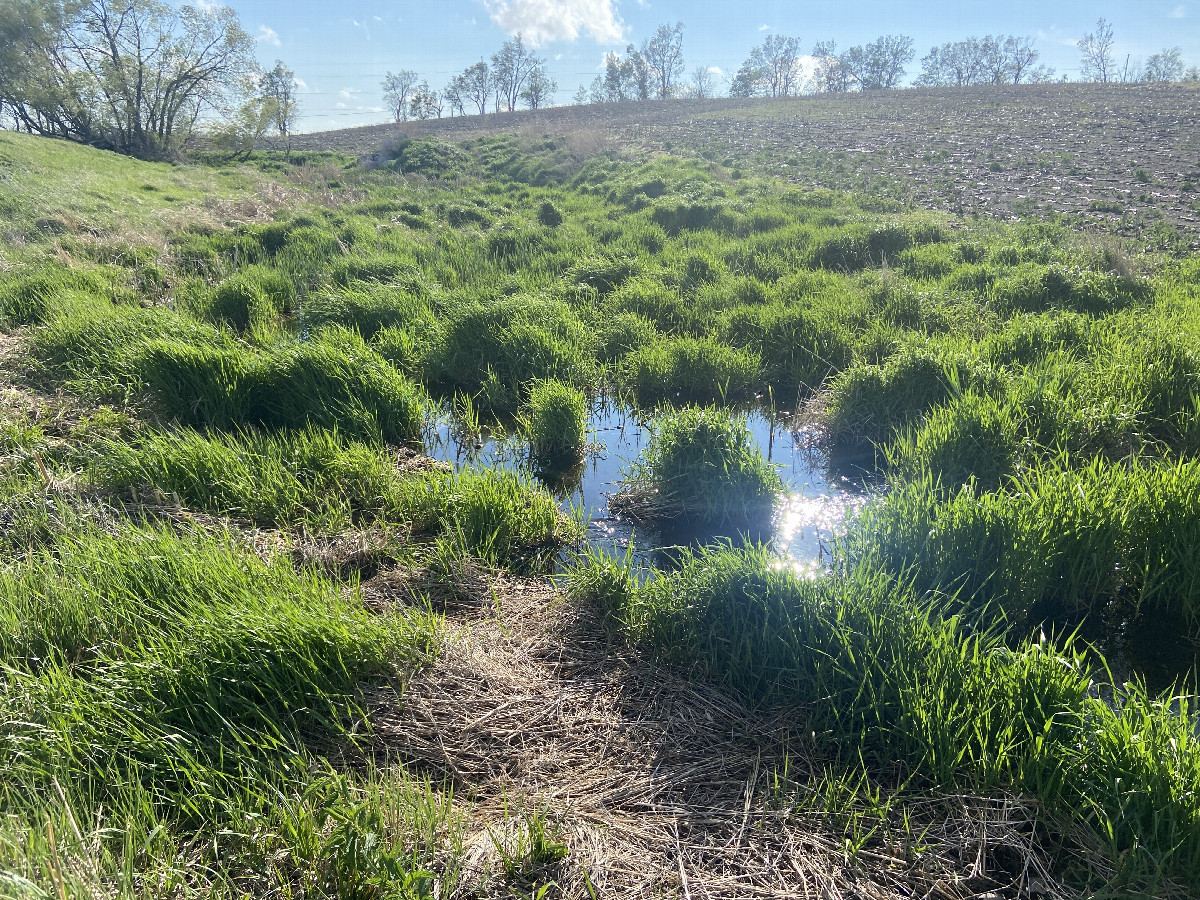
point(186, 386)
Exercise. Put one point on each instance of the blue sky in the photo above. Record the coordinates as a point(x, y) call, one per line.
point(340, 51)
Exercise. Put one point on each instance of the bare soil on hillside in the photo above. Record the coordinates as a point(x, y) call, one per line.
point(1122, 159)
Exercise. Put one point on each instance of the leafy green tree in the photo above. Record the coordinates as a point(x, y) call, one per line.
point(879, 65)
point(134, 76)
point(242, 132)
point(663, 54)
point(771, 70)
point(425, 102)
point(830, 76)
point(477, 85)
point(511, 65)
point(279, 85)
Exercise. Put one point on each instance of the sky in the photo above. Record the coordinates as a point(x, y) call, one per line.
point(340, 51)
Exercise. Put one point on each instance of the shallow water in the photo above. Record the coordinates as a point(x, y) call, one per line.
point(811, 513)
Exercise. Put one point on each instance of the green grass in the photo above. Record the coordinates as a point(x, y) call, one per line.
point(163, 693)
point(886, 682)
point(701, 465)
point(1029, 394)
point(316, 480)
point(555, 420)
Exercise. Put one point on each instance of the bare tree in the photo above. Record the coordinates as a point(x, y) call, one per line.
point(1166, 65)
point(279, 85)
point(1097, 50)
point(477, 85)
point(772, 69)
point(133, 76)
point(539, 87)
point(396, 91)
point(511, 65)
point(880, 64)
point(425, 102)
point(663, 54)
point(703, 84)
point(830, 76)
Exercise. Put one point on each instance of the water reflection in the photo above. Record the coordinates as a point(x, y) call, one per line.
point(819, 497)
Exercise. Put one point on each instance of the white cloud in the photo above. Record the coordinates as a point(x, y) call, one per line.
point(348, 93)
point(340, 105)
point(716, 70)
point(540, 21)
point(1179, 12)
point(300, 83)
point(205, 6)
point(267, 36)
point(764, 27)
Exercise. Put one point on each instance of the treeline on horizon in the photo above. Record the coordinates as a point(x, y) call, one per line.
point(144, 77)
point(778, 67)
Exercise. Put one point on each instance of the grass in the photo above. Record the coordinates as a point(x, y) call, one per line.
point(163, 692)
point(316, 480)
point(884, 681)
point(701, 465)
point(555, 420)
point(1029, 395)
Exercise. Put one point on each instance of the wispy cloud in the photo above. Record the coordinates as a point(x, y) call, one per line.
point(542, 21)
point(764, 27)
point(267, 36)
point(1179, 12)
point(349, 93)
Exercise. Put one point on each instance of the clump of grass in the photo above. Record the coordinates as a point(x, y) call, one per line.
point(253, 298)
point(198, 384)
point(309, 475)
point(493, 351)
point(971, 438)
point(885, 683)
point(321, 480)
point(176, 687)
point(504, 518)
point(333, 381)
point(1058, 540)
point(368, 310)
point(38, 293)
point(690, 370)
point(701, 464)
point(867, 403)
point(554, 418)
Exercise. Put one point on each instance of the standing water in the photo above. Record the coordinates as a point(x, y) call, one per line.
point(812, 511)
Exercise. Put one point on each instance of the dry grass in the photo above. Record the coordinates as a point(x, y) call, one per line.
point(658, 787)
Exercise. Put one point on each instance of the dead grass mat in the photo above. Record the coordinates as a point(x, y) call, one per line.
point(660, 787)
